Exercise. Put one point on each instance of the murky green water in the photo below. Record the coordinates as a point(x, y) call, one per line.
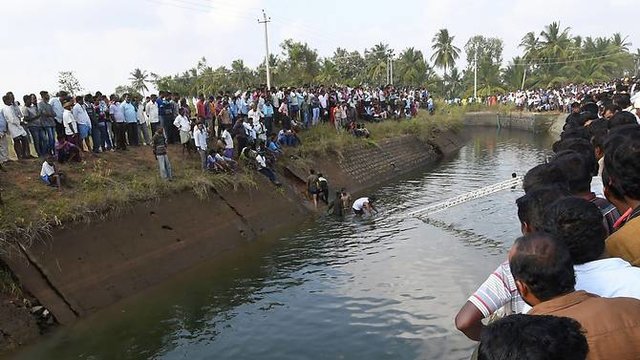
point(387, 287)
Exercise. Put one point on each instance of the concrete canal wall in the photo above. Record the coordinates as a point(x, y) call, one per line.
point(84, 267)
point(535, 122)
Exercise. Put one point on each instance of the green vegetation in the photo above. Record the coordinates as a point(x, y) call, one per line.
point(550, 57)
point(324, 140)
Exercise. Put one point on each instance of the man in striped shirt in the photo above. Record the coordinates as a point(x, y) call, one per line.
point(499, 291)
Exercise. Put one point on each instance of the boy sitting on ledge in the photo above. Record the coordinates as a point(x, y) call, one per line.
point(50, 175)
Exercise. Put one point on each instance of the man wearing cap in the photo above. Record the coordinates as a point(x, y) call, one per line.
point(70, 123)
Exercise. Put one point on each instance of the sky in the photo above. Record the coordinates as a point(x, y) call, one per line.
point(102, 41)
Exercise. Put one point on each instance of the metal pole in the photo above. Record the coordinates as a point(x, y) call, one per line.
point(266, 20)
point(391, 72)
point(475, 75)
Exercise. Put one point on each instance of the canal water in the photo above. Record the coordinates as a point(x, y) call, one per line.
point(386, 287)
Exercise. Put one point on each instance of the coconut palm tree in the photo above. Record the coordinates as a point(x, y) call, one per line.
point(445, 53)
point(411, 67)
point(376, 62)
point(556, 42)
point(620, 42)
point(240, 74)
point(139, 79)
point(329, 73)
point(454, 83)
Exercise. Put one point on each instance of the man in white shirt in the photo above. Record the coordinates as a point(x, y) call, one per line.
point(249, 130)
point(70, 124)
point(200, 139)
point(184, 126)
point(151, 109)
point(255, 115)
point(364, 204)
point(56, 104)
point(578, 223)
point(15, 129)
point(228, 143)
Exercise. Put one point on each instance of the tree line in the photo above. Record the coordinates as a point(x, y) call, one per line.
point(552, 57)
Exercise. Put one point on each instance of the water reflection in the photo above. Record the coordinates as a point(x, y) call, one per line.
point(380, 288)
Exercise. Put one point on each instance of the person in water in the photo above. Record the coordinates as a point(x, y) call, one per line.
point(336, 206)
point(364, 204)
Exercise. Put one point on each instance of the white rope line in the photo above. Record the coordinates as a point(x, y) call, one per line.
point(472, 195)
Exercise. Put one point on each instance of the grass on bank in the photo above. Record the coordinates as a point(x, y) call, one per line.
point(99, 185)
point(325, 140)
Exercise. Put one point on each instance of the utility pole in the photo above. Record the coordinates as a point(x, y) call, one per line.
point(391, 70)
point(475, 74)
point(388, 72)
point(266, 20)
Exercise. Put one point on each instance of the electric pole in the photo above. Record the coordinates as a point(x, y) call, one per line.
point(475, 75)
point(266, 20)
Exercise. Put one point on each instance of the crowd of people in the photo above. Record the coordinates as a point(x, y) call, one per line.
point(558, 98)
point(226, 130)
point(570, 286)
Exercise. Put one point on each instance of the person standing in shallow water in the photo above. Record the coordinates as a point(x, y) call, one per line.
point(160, 151)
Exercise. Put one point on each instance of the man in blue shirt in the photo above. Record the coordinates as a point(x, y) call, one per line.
point(267, 111)
point(233, 109)
point(131, 120)
point(165, 112)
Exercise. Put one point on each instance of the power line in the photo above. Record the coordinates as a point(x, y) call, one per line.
point(542, 62)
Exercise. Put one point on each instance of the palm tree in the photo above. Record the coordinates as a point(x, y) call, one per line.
point(240, 73)
point(411, 67)
point(556, 42)
point(620, 42)
point(531, 45)
point(139, 79)
point(445, 53)
point(454, 83)
point(513, 74)
point(329, 73)
point(376, 61)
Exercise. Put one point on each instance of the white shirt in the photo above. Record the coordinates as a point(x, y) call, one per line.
point(612, 277)
point(228, 140)
point(152, 112)
point(249, 130)
point(182, 123)
point(261, 131)
point(69, 122)
point(255, 116)
point(359, 204)
point(142, 117)
point(200, 138)
point(47, 169)
point(262, 163)
point(57, 108)
point(13, 122)
point(323, 101)
point(80, 114)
